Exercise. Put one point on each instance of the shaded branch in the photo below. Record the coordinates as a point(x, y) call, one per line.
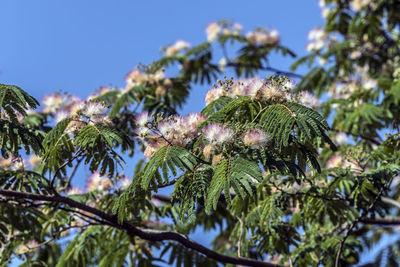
point(381, 221)
point(147, 234)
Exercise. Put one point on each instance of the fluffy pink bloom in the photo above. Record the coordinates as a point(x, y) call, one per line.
point(212, 31)
point(94, 108)
point(98, 182)
point(195, 119)
point(308, 99)
point(263, 37)
point(142, 119)
point(218, 134)
point(52, 103)
point(74, 191)
point(177, 47)
point(256, 138)
point(125, 182)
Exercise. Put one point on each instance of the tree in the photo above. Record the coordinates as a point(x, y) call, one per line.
point(298, 174)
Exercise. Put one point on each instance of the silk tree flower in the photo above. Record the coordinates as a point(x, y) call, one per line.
point(74, 190)
point(136, 77)
point(177, 47)
point(340, 138)
point(271, 92)
point(263, 37)
point(52, 103)
point(98, 182)
point(237, 28)
point(125, 182)
point(214, 94)
point(357, 5)
point(369, 83)
point(218, 134)
point(254, 87)
point(153, 145)
point(142, 119)
point(308, 99)
point(61, 115)
point(195, 119)
point(6, 163)
point(239, 87)
point(289, 84)
point(317, 34)
point(212, 31)
point(30, 246)
point(94, 108)
point(34, 160)
point(256, 139)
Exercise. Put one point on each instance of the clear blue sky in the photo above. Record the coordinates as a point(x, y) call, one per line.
point(77, 46)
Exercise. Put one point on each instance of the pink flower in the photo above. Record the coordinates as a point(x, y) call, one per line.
point(98, 182)
point(212, 31)
point(142, 119)
point(218, 134)
point(256, 138)
point(177, 47)
point(125, 182)
point(74, 191)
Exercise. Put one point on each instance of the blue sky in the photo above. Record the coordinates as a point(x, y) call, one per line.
point(77, 46)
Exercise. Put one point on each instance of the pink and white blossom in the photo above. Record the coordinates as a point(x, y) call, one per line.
point(256, 138)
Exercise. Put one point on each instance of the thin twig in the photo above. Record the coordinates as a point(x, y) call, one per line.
point(77, 154)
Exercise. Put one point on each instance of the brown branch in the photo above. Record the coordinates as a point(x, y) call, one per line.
point(381, 221)
point(147, 234)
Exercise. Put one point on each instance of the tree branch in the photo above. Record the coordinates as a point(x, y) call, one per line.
point(147, 234)
point(381, 221)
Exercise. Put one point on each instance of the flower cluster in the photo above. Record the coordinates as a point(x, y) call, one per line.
point(176, 130)
point(256, 139)
point(263, 37)
point(140, 77)
point(216, 29)
point(317, 39)
point(177, 47)
point(217, 134)
point(337, 161)
point(350, 84)
point(18, 163)
point(270, 90)
point(83, 112)
point(308, 99)
point(98, 182)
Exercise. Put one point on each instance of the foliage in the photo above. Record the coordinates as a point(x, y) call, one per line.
point(299, 174)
